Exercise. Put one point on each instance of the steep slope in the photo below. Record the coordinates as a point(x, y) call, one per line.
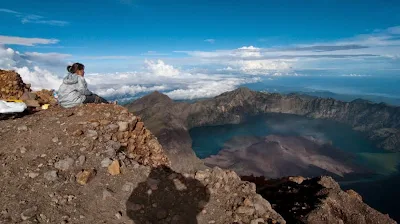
point(166, 119)
point(100, 164)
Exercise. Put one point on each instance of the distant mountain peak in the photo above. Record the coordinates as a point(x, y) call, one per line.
point(157, 96)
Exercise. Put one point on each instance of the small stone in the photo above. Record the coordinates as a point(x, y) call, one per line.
point(77, 133)
point(107, 194)
point(121, 156)
point(95, 124)
point(104, 122)
point(92, 134)
point(29, 213)
point(70, 198)
point(22, 150)
point(110, 152)
point(84, 176)
point(64, 164)
point(118, 215)
point(55, 139)
point(114, 168)
point(43, 217)
point(123, 126)
point(179, 185)
point(247, 202)
point(245, 210)
point(212, 221)
point(128, 187)
point(33, 175)
point(201, 175)
point(257, 221)
point(106, 162)
point(113, 127)
point(162, 214)
point(51, 175)
point(139, 126)
point(81, 160)
point(297, 179)
point(32, 103)
point(22, 128)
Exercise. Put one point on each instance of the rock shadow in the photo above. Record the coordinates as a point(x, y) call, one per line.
point(167, 197)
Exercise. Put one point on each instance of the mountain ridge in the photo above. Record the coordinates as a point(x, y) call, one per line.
point(380, 122)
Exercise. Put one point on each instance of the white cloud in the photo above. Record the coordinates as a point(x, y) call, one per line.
point(52, 59)
point(211, 41)
point(249, 48)
point(209, 88)
point(47, 22)
point(108, 57)
point(354, 75)
point(258, 67)
point(159, 68)
point(128, 90)
point(357, 52)
point(25, 41)
point(157, 75)
point(9, 11)
point(31, 18)
point(39, 78)
point(394, 30)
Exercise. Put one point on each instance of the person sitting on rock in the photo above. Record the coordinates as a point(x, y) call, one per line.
point(73, 91)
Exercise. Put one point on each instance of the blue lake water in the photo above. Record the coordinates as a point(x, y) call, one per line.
point(378, 190)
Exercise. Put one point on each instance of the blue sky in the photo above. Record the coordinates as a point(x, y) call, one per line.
point(241, 40)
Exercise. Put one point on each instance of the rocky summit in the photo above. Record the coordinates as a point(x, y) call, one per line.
point(100, 164)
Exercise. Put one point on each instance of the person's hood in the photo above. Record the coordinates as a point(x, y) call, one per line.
point(71, 79)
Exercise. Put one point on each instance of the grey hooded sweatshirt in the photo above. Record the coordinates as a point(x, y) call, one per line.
point(73, 91)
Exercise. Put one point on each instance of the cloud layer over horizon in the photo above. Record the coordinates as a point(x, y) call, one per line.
point(156, 75)
point(197, 74)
